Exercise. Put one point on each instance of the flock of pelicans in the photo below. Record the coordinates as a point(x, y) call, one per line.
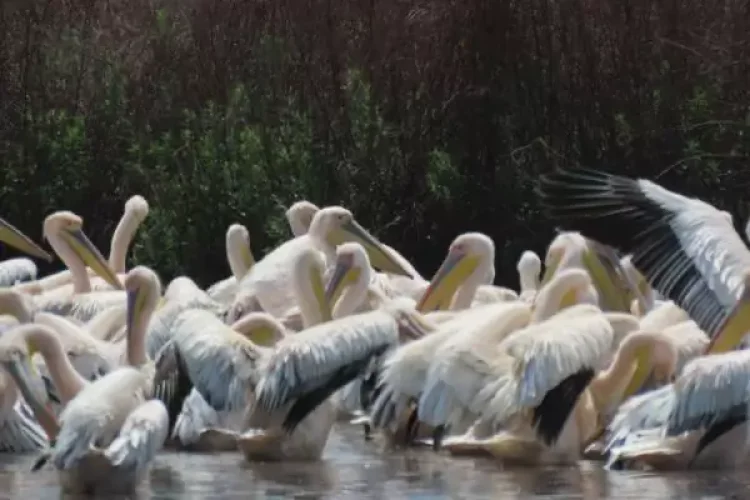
point(628, 349)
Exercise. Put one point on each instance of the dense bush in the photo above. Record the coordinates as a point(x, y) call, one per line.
point(427, 119)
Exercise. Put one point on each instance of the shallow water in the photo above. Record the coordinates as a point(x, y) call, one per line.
point(355, 469)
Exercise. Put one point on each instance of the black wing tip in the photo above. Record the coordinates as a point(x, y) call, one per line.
point(41, 461)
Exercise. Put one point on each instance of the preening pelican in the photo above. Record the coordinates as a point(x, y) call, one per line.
point(699, 421)
point(470, 262)
point(305, 369)
point(269, 281)
point(687, 249)
point(64, 231)
point(241, 260)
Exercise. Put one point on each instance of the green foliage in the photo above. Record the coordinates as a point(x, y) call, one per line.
point(425, 123)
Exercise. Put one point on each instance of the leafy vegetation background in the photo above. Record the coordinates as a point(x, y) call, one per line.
point(426, 119)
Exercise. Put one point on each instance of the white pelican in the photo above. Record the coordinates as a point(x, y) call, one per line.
point(687, 249)
point(269, 281)
point(109, 430)
point(699, 421)
point(293, 411)
point(202, 342)
point(241, 260)
point(470, 263)
point(19, 269)
point(300, 216)
point(136, 211)
point(65, 234)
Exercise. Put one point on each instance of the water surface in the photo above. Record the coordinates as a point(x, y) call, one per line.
point(355, 469)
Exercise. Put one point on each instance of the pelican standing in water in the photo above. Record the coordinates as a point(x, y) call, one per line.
point(110, 430)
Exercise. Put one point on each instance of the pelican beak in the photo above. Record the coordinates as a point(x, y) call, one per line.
point(379, 257)
point(18, 369)
point(90, 255)
point(549, 270)
point(604, 277)
point(734, 327)
point(134, 307)
point(454, 270)
point(15, 238)
point(641, 373)
point(343, 275)
point(161, 303)
point(319, 291)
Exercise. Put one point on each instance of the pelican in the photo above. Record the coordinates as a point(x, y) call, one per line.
point(570, 249)
point(268, 282)
point(298, 377)
point(241, 260)
point(136, 211)
point(203, 342)
point(457, 367)
point(19, 269)
point(300, 216)
point(687, 249)
point(699, 421)
point(65, 234)
point(110, 429)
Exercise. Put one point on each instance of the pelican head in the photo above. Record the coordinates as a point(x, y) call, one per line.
point(137, 208)
point(238, 249)
point(567, 288)
point(300, 216)
point(471, 254)
point(143, 289)
point(15, 304)
point(529, 267)
point(557, 250)
point(336, 225)
point(15, 238)
point(69, 228)
point(351, 263)
point(260, 327)
point(308, 272)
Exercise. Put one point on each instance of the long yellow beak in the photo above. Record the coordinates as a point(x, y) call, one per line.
point(641, 373)
point(319, 291)
point(734, 327)
point(18, 369)
point(379, 257)
point(605, 278)
point(344, 274)
point(454, 270)
point(136, 300)
point(15, 238)
point(91, 256)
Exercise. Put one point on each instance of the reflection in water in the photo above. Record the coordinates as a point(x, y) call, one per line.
point(355, 469)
